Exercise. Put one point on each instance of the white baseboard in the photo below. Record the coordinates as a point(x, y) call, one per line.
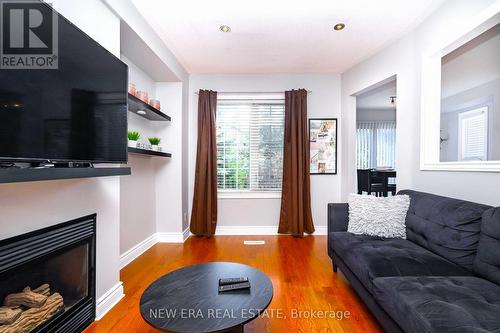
point(320, 230)
point(107, 301)
point(180, 237)
point(170, 237)
point(129, 256)
point(159, 237)
point(246, 230)
point(257, 230)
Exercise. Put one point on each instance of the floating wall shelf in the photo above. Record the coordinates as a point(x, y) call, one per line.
point(148, 152)
point(15, 175)
point(151, 113)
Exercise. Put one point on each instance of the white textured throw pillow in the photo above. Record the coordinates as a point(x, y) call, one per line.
point(383, 216)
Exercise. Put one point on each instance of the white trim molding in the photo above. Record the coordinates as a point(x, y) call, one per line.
point(180, 237)
point(159, 237)
point(320, 230)
point(248, 194)
point(473, 166)
point(133, 253)
point(107, 301)
point(431, 95)
point(246, 230)
point(170, 237)
point(251, 95)
point(258, 230)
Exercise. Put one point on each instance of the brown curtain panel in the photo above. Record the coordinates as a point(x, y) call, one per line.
point(295, 216)
point(204, 212)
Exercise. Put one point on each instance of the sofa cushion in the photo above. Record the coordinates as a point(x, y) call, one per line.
point(369, 257)
point(384, 216)
point(487, 260)
point(446, 226)
point(440, 304)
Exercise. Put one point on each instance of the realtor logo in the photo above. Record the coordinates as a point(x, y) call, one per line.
point(28, 35)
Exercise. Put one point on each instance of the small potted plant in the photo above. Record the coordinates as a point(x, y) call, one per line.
point(133, 136)
point(154, 141)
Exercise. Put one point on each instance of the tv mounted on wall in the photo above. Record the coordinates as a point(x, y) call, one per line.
point(74, 111)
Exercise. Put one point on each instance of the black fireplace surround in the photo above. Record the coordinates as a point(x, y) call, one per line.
point(62, 256)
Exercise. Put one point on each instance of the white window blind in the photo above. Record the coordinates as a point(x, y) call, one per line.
point(376, 144)
point(473, 134)
point(250, 144)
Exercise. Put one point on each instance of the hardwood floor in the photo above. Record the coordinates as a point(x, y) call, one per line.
point(300, 270)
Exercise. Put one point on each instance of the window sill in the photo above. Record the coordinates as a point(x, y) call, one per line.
point(468, 166)
point(248, 195)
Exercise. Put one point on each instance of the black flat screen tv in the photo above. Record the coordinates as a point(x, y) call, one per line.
point(74, 113)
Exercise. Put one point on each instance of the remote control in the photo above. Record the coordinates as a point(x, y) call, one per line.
point(237, 286)
point(223, 282)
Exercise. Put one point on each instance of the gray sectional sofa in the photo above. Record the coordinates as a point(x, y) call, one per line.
point(445, 277)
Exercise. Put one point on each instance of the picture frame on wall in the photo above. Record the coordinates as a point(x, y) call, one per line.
point(323, 146)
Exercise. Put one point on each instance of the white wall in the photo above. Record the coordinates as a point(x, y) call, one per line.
point(324, 101)
point(375, 114)
point(169, 173)
point(138, 77)
point(126, 10)
point(151, 199)
point(185, 154)
point(403, 59)
point(30, 206)
point(138, 191)
point(95, 19)
point(137, 202)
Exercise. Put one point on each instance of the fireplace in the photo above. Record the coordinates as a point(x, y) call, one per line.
point(47, 279)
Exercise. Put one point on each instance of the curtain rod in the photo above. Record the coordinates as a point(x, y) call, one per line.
point(252, 92)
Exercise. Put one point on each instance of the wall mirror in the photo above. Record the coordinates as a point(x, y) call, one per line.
point(470, 100)
point(461, 102)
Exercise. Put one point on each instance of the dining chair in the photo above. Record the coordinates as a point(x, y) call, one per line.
point(368, 183)
point(383, 177)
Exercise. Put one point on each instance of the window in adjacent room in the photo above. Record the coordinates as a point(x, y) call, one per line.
point(376, 109)
point(250, 144)
point(473, 134)
point(376, 144)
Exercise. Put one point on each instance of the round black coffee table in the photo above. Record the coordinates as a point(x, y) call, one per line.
point(188, 300)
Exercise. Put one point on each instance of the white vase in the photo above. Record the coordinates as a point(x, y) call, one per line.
point(154, 147)
point(132, 143)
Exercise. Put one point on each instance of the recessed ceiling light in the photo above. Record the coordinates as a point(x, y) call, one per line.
point(339, 26)
point(141, 112)
point(225, 28)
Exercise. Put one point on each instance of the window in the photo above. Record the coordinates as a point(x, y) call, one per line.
point(473, 134)
point(376, 144)
point(250, 144)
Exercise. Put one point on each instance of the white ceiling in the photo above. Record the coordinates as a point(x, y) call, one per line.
point(280, 36)
point(377, 98)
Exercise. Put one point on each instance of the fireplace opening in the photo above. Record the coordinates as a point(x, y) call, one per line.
point(47, 279)
point(65, 274)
